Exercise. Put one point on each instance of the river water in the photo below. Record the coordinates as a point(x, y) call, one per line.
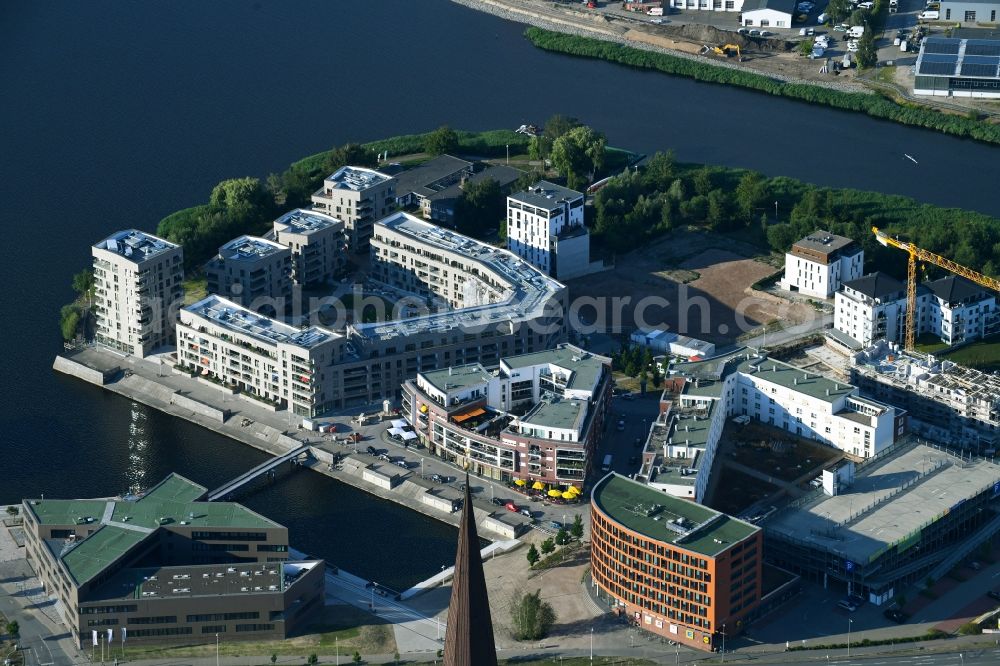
point(114, 114)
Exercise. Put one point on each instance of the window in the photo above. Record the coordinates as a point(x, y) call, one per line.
point(254, 627)
point(213, 629)
point(970, 16)
point(157, 619)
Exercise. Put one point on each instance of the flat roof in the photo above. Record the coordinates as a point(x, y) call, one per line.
point(810, 383)
point(885, 508)
point(458, 377)
point(201, 580)
point(355, 178)
point(526, 293)
point(250, 248)
point(584, 367)
point(239, 319)
point(305, 222)
point(703, 530)
point(823, 242)
point(557, 413)
point(544, 194)
point(135, 245)
point(502, 174)
point(423, 179)
point(962, 58)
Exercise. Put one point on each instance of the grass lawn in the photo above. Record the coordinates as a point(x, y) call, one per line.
point(929, 344)
point(195, 289)
point(344, 626)
point(983, 355)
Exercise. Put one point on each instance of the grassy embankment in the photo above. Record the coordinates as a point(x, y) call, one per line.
point(873, 105)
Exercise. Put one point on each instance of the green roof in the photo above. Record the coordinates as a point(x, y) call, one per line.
point(67, 512)
point(92, 555)
point(585, 369)
point(173, 500)
point(459, 377)
point(567, 414)
point(797, 379)
point(690, 430)
point(625, 501)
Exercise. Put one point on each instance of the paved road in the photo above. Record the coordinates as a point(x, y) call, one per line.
point(42, 642)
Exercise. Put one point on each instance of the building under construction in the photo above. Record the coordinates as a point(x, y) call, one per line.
point(946, 402)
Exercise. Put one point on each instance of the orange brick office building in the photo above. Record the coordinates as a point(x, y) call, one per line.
point(678, 569)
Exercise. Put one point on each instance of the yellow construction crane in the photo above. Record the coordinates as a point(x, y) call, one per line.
point(911, 277)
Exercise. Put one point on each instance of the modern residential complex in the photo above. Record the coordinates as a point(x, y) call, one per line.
point(419, 184)
point(946, 402)
point(535, 418)
point(952, 309)
point(316, 241)
point(166, 567)
point(914, 512)
point(253, 272)
point(683, 440)
point(819, 263)
point(137, 283)
point(677, 569)
point(358, 196)
point(441, 205)
point(278, 364)
point(488, 304)
point(545, 228)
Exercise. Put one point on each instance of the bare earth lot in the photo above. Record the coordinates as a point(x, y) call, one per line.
point(689, 282)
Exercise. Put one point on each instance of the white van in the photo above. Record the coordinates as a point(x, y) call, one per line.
point(606, 466)
point(929, 15)
point(856, 31)
point(821, 19)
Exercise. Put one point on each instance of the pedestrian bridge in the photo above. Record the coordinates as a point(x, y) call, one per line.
point(265, 467)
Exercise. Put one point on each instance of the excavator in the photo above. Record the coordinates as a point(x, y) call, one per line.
point(727, 50)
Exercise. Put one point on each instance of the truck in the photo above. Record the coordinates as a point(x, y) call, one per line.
point(856, 31)
point(606, 465)
point(902, 45)
point(929, 15)
point(655, 11)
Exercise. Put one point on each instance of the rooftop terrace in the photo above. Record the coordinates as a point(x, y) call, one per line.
point(238, 319)
point(354, 178)
point(458, 377)
point(135, 245)
point(546, 195)
point(300, 221)
point(584, 368)
point(250, 248)
point(557, 413)
point(888, 502)
point(668, 519)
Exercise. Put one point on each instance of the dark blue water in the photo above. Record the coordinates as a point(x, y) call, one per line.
point(113, 114)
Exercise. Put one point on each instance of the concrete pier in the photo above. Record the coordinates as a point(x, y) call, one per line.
point(153, 382)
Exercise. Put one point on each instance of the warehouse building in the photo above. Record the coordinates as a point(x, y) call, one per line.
point(767, 13)
point(676, 569)
point(970, 12)
point(167, 567)
point(953, 67)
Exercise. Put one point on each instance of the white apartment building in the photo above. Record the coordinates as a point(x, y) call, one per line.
point(358, 196)
point(819, 263)
point(316, 241)
point(137, 283)
point(252, 272)
point(708, 5)
point(536, 417)
point(952, 309)
point(545, 228)
point(280, 365)
point(872, 308)
point(682, 443)
point(959, 311)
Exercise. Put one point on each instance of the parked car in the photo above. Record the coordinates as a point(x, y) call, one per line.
point(866, 5)
point(437, 478)
point(510, 506)
point(755, 33)
point(856, 600)
point(896, 615)
point(621, 426)
point(846, 605)
point(852, 46)
point(498, 501)
point(841, 27)
point(384, 457)
point(372, 451)
point(526, 513)
point(555, 524)
point(402, 463)
point(807, 32)
point(743, 31)
point(929, 15)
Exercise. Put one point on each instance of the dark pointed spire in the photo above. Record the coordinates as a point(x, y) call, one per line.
point(468, 640)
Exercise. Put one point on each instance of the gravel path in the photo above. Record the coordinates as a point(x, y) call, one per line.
point(536, 14)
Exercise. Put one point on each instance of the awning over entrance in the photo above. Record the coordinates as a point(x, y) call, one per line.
point(465, 416)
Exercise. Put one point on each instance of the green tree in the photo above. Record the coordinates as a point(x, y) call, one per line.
point(718, 216)
point(677, 191)
point(562, 536)
point(313, 659)
point(576, 529)
point(12, 510)
point(532, 555)
point(548, 546)
point(83, 282)
point(352, 154)
point(657, 376)
point(69, 321)
point(660, 171)
point(805, 47)
point(480, 207)
point(274, 658)
point(442, 140)
point(703, 180)
point(239, 195)
point(13, 629)
point(867, 50)
point(749, 193)
point(838, 10)
point(532, 617)
point(356, 658)
point(578, 155)
point(558, 125)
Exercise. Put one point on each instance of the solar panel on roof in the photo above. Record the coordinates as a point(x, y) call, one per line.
point(981, 60)
point(937, 68)
point(982, 47)
point(972, 69)
point(939, 57)
point(940, 46)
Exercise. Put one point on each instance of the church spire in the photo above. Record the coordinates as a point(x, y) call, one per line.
point(468, 640)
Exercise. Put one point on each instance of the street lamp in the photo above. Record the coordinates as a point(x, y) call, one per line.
point(849, 623)
point(217, 650)
point(592, 644)
point(775, 211)
point(421, 468)
point(723, 642)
